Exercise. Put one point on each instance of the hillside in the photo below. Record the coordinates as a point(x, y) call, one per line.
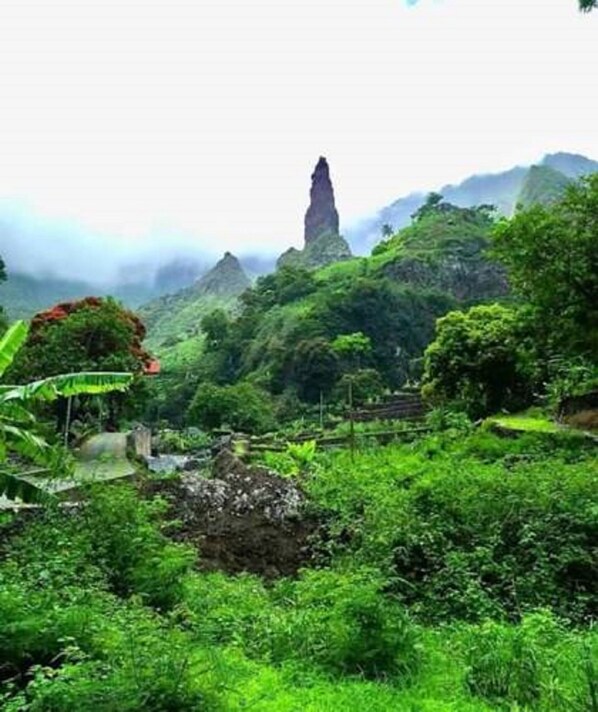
point(444, 249)
point(542, 185)
point(499, 189)
point(23, 295)
point(282, 336)
point(173, 319)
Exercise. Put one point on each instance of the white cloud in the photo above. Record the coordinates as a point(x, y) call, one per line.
point(138, 118)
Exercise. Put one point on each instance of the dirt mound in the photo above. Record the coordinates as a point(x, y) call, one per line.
point(243, 519)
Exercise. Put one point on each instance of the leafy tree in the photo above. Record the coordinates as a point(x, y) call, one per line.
point(366, 384)
point(387, 230)
point(92, 334)
point(398, 322)
point(433, 200)
point(216, 326)
point(315, 368)
point(241, 406)
point(287, 284)
point(551, 255)
point(17, 423)
point(587, 5)
point(352, 348)
point(480, 360)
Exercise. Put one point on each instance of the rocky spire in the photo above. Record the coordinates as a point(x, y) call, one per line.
point(321, 217)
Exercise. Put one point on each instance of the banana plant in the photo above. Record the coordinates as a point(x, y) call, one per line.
point(19, 444)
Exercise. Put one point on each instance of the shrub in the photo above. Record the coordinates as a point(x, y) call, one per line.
point(343, 622)
point(241, 406)
point(535, 665)
point(130, 549)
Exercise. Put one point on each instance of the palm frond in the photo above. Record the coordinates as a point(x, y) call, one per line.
point(28, 445)
point(69, 384)
point(11, 342)
point(16, 487)
point(13, 412)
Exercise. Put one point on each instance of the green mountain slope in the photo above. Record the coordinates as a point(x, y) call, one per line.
point(542, 185)
point(283, 333)
point(445, 250)
point(22, 295)
point(499, 189)
point(173, 320)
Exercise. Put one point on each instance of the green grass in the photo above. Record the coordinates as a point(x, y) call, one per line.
point(449, 579)
point(531, 421)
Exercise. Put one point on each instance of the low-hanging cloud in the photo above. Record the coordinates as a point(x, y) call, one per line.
point(30, 244)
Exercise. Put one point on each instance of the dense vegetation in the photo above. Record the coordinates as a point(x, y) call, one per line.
point(456, 574)
point(493, 357)
point(283, 338)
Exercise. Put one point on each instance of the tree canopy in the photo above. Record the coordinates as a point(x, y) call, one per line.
point(551, 255)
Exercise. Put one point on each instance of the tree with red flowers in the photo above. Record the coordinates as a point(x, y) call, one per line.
point(91, 334)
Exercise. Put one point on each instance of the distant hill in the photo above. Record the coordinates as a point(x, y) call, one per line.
point(22, 295)
point(173, 320)
point(543, 185)
point(502, 190)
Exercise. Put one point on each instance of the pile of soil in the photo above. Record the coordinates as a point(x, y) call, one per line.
point(243, 518)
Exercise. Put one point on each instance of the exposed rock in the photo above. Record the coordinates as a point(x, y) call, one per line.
point(168, 464)
point(244, 519)
point(323, 243)
point(465, 278)
point(322, 216)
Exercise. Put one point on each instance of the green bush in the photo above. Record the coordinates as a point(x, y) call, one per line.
point(220, 609)
point(342, 622)
point(130, 549)
point(534, 665)
point(481, 361)
point(135, 665)
point(241, 406)
point(468, 527)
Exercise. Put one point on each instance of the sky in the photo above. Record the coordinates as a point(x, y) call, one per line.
point(146, 125)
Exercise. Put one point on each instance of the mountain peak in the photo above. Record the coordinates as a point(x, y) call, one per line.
point(572, 165)
point(227, 278)
point(323, 242)
point(542, 185)
point(321, 217)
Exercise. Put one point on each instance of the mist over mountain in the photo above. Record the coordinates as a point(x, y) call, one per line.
point(503, 190)
point(49, 260)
